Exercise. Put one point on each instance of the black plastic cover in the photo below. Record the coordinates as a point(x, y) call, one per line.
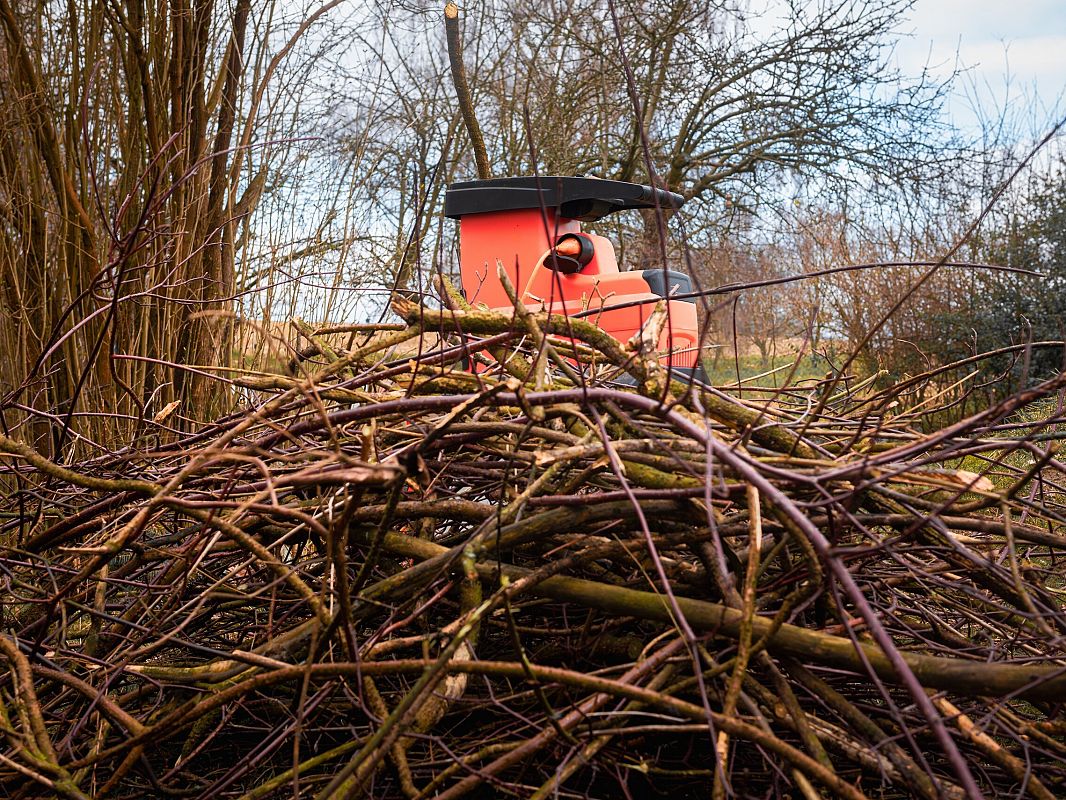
point(584, 199)
point(667, 283)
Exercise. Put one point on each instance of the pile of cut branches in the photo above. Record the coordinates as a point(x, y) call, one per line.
point(527, 560)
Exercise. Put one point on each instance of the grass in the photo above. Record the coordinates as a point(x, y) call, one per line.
point(1016, 462)
point(771, 373)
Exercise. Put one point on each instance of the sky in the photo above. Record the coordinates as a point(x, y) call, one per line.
point(1020, 40)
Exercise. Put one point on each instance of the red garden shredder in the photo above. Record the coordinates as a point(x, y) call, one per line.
point(532, 226)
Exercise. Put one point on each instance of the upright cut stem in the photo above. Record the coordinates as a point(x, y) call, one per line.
point(462, 90)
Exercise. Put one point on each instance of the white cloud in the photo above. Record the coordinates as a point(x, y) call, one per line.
point(1035, 58)
point(985, 19)
point(1012, 51)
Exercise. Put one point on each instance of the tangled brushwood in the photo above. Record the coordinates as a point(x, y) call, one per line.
point(513, 562)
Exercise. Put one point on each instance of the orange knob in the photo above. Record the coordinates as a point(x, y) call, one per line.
point(570, 246)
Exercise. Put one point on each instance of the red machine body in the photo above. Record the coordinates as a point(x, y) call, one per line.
point(533, 227)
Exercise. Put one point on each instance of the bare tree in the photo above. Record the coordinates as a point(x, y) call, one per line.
point(770, 319)
point(731, 103)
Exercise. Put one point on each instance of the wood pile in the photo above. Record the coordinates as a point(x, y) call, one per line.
point(526, 560)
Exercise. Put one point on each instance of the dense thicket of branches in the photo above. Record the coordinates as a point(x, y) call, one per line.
point(136, 139)
point(1031, 231)
point(393, 578)
point(118, 186)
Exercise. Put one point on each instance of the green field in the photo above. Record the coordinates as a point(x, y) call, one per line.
point(772, 373)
